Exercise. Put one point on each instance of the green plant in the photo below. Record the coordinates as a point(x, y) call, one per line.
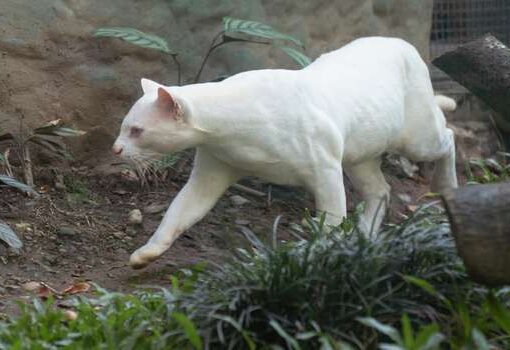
point(234, 30)
point(491, 170)
point(302, 282)
point(427, 338)
point(407, 285)
point(9, 237)
point(48, 137)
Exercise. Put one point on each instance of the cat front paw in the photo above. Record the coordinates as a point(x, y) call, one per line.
point(144, 256)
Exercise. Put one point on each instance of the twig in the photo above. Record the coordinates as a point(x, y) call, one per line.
point(249, 190)
point(178, 65)
point(8, 167)
point(27, 165)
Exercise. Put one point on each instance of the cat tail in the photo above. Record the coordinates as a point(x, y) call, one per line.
point(446, 104)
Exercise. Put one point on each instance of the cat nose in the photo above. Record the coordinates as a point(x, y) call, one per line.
point(117, 150)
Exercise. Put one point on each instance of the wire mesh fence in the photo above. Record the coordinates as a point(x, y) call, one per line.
point(458, 21)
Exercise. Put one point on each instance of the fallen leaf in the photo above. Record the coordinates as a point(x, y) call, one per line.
point(412, 208)
point(46, 291)
point(79, 287)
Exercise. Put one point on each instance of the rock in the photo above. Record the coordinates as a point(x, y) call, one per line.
point(404, 197)
point(135, 217)
point(67, 231)
point(31, 286)
point(238, 200)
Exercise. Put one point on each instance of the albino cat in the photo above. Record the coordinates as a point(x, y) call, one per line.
point(304, 127)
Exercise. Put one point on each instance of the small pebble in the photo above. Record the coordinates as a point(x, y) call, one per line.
point(70, 315)
point(31, 286)
point(135, 217)
point(238, 200)
point(404, 197)
point(67, 231)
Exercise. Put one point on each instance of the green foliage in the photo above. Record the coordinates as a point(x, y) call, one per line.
point(135, 37)
point(48, 136)
point(427, 338)
point(9, 237)
point(167, 162)
point(296, 55)
point(78, 191)
point(405, 289)
point(256, 29)
point(303, 281)
point(251, 31)
point(11, 182)
point(112, 321)
point(485, 171)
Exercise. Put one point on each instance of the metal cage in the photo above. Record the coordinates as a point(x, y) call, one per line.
point(458, 21)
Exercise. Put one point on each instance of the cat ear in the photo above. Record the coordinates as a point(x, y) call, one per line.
point(169, 104)
point(149, 85)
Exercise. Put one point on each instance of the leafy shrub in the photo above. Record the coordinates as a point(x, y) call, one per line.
point(234, 30)
point(405, 289)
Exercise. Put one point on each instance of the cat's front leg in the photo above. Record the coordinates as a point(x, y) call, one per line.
point(208, 181)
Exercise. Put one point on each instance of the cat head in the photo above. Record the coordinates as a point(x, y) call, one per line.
point(158, 123)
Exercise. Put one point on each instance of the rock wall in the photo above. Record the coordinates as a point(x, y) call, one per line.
point(51, 66)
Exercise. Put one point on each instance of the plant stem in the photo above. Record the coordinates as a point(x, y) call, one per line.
point(178, 65)
point(211, 49)
point(27, 165)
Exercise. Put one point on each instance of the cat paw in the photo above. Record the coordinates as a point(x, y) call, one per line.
point(144, 256)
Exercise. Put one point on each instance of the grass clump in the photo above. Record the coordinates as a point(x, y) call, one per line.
point(402, 289)
point(490, 170)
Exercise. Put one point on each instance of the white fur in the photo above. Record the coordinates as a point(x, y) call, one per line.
point(446, 104)
point(304, 127)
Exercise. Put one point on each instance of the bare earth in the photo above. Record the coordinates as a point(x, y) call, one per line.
point(74, 237)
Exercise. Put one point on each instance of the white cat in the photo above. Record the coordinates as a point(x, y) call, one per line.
point(304, 127)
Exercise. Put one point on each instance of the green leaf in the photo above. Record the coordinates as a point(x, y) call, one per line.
point(55, 128)
point(8, 236)
point(189, 329)
point(390, 347)
point(281, 332)
point(429, 338)
point(257, 29)
point(299, 57)
point(391, 332)
point(480, 341)
point(500, 314)
point(136, 37)
point(407, 332)
point(9, 181)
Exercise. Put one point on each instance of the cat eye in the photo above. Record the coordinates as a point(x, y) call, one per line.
point(135, 131)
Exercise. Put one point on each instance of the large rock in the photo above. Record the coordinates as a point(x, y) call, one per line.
point(51, 66)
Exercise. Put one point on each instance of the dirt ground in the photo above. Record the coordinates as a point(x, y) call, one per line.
point(81, 232)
